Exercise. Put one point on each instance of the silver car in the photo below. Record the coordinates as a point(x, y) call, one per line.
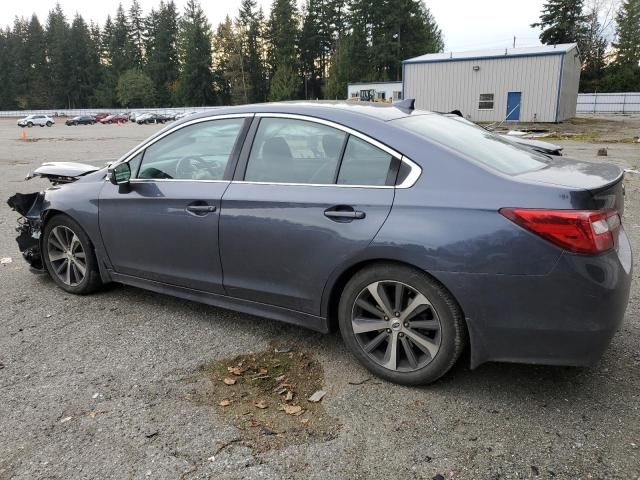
point(31, 120)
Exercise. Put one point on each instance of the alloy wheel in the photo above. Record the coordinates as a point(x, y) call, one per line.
point(396, 326)
point(66, 255)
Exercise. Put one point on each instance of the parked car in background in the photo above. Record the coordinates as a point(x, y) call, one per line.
point(182, 115)
point(36, 119)
point(100, 116)
point(151, 118)
point(415, 234)
point(117, 118)
point(81, 120)
point(133, 116)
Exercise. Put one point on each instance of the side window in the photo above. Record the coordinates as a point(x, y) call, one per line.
point(364, 164)
point(294, 151)
point(197, 152)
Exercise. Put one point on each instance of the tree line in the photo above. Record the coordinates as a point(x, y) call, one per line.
point(610, 63)
point(167, 57)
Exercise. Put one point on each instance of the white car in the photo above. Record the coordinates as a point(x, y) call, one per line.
point(31, 120)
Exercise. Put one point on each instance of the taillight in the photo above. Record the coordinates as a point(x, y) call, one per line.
point(580, 231)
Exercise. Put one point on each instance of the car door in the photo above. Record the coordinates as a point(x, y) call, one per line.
point(307, 196)
point(164, 226)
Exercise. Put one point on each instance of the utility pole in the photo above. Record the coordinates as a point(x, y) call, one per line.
point(514, 41)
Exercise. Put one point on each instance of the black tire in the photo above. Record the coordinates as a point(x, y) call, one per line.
point(29, 124)
point(49, 124)
point(91, 280)
point(452, 334)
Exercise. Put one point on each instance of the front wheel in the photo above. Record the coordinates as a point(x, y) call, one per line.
point(29, 124)
point(69, 257)
point(401, 324)
point(49, 124)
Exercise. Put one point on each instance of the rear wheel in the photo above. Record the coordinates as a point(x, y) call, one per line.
point(69, 257)
point(401, 324)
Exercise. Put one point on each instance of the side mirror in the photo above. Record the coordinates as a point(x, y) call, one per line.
point(119, 174)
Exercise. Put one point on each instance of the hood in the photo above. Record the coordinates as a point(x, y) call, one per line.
point(571, 173)
point(62, 172)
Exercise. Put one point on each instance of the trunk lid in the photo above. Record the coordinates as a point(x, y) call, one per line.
point(602, 180)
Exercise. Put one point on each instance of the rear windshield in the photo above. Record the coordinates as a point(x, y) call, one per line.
point(475, 143)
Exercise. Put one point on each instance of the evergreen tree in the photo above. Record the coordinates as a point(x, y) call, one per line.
point(37, 75)
point(120, 47)
point(7, 100)
point(161, 49)
point(58, 55)
point(623, 75)
point(135, 89)
point(19, 58)
point(562, 21)
point(195, 83)
point(83, 76)
point(593, 53)
point(283, 37)
point(627, 44)
point(250, 29)
point(136, 31)
point(228, 65)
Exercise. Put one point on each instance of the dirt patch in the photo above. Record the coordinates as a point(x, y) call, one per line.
point(266, 396)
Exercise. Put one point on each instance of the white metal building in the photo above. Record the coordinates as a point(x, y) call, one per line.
point(517, 84)
point(375, 91)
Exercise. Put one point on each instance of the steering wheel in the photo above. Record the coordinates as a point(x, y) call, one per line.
point(190, 165)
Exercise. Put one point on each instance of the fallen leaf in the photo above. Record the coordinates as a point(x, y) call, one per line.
point(263, 371)
point(292, 409)
point(316, 397)
point(261, 404)
point(289, 396)
point(236, 370)
point(229, 381)
point(224, 403)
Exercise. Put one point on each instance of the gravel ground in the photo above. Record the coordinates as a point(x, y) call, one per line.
point(103, 386)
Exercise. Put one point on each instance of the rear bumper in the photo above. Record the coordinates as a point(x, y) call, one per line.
point(567, 317)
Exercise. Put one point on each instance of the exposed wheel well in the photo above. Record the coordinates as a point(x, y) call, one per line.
point(339, 284)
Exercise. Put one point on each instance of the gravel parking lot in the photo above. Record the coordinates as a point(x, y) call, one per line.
point(116, 385)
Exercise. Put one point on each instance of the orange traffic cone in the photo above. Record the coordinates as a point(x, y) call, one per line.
point(24, 135)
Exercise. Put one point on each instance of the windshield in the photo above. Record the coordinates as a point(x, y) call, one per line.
point(474, 142)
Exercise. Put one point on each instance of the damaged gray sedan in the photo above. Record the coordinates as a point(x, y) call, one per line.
point(414, 234)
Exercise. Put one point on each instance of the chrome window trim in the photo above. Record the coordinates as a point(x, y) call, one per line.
point(290, 184)
point(415, 169)
point(412, 177)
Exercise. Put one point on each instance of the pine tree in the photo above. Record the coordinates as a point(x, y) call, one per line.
point(120, 47)
point(228, 65)
point(82, 77)
point(57, 38)
point(562, 21)
point(161, 40)
point(136, 31)
point(593, 53)
point(627, 44)
point(283, 39)
point(623, 75)
point(37, 75)
point(7, 100)
point(195, 84)
point(250, 31)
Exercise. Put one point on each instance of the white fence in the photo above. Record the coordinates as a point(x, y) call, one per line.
point(92, 111)
point(609, 102)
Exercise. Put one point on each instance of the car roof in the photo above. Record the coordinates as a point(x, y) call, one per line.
point(379, 111)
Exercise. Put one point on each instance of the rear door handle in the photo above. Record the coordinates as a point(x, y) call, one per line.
point(201, 209)
point(344, 214)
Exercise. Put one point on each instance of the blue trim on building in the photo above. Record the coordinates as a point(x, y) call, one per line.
point(491, 57)
point(560, 86)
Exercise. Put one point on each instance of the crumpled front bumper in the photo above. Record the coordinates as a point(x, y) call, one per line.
point(29, 227)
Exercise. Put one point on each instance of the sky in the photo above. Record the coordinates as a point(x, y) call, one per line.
point(466, 24)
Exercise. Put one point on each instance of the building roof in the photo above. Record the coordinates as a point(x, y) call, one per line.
point(540, 50)
point(390, 82)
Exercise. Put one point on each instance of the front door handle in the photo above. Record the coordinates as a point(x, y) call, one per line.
point(343, 213)
point(200, 209)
